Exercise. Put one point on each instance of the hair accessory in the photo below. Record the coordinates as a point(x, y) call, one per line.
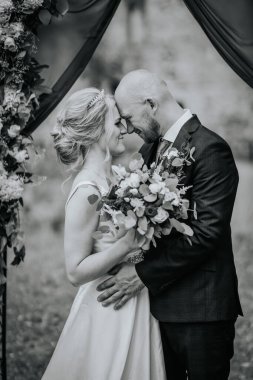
point(97, 98)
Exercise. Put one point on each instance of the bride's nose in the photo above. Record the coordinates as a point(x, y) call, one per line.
point(123, 129)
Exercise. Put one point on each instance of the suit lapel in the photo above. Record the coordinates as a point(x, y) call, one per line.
point(185, 134)
point(183, 139)
point(148, 151)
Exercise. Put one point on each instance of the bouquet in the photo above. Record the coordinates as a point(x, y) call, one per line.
point(151, 200)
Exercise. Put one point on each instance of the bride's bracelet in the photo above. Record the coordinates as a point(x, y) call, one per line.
point(137, 258)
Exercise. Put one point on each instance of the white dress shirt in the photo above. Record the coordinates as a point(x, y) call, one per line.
point(172, 133)
point(174, 130)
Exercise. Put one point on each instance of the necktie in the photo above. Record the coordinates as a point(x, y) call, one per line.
point(162, 147)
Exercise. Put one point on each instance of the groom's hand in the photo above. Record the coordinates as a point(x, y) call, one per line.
point(119, 288)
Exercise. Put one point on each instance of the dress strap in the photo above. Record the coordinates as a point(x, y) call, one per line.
point(80, 184)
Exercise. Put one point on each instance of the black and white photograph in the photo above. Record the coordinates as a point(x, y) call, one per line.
point(126, 177)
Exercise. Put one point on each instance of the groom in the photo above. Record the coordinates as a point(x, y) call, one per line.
point(193, 288)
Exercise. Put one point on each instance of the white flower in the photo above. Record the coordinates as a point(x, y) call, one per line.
point(14, 131)
point(136, 163)
point(172, 153)
point(161, 216)
point(138, 206)
point(156, 177)
point(10, 95)
point(134, 191)
point(155, 188)
point(11, 188)
point(120, 192)
point(132, 181)
point(16, 28)
point(19, 155)
point(120, 171)
point(6, 6)
point(169, 196)
point(24, 112)
point(32, 4)
point(176, 201)
point(9, 44)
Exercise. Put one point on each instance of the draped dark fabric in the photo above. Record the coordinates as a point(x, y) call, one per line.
point(96, 16)
point(229, 26)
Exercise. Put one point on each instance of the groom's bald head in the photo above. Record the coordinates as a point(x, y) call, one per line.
point(140, 85)
point(141, 97)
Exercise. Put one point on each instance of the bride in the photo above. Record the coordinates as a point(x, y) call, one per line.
point(98, 343)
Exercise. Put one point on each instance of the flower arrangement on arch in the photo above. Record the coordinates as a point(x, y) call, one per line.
point(21, 86)
point(151, 200)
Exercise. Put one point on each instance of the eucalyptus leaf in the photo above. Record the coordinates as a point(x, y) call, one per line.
point(177, 225)
point(97, 235)
point(177, 162)
point(187, 229)
point(45, 16)
point(104, 229)
point(167, 206)
point(62, 6)
point(150, 198)
point(99, 206)
point(93, 198)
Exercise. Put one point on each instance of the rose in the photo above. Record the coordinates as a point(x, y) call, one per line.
point(14, 131)
point(9, 44)
point(150, 211)
point(161, 216)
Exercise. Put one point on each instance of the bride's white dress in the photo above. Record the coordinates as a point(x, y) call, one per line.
point(99, 343)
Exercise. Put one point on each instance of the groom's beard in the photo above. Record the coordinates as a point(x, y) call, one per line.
point(152, 133)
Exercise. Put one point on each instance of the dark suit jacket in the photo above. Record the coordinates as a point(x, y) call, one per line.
point(198, 282)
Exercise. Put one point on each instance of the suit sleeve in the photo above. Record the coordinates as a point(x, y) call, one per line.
point(215, 181)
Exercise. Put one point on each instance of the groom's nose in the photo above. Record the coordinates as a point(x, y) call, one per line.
point(130, 129)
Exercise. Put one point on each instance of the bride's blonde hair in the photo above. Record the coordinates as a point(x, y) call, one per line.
point(80, 124)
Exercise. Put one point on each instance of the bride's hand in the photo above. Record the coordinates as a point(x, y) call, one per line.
point(130, 240)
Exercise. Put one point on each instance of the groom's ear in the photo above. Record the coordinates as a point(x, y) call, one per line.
point(152, 104)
